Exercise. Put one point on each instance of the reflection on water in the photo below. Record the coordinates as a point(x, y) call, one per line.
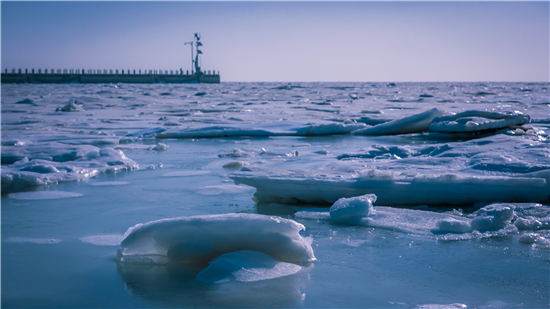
point(171, 285)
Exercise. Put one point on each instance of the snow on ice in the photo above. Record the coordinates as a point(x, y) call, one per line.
point(199, 239)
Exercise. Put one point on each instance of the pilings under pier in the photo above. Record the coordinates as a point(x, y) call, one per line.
point(107, 76)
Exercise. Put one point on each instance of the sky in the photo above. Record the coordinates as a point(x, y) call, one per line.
point(286, 41)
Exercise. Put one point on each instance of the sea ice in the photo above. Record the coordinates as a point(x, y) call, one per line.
point(224, 189)
point(391, 188)
point(72, 106)
point(109, 183)
point(37, 241)
point(54, 163)
point(493, 217)
point(470, 121)
point(201, 238)
point(411, 124)
point(278, 128)
point(103, 240)
point(245, 266)
point(534, 239)
point(352, 209)
point(43, 195)
point(186, 173)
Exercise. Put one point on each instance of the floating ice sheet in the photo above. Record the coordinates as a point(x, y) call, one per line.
point(202, 238)
point(186, 173)
point(280, 128)
point(411, 124)
point(277, 186)
point(52, 163)
point(43, 195)
point(103, 240)
point(224, 189)
point(470, 121)
point(429, 224)
point(37, 241)
point(246, 266)
point(108, 183)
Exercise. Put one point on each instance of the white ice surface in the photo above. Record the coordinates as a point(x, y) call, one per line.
point(245, 266)
point(224, 189)
point(109, 183)
point(449, 226)
point(470, 121)
point(43, 195)
point(103, 240)
point(281, 128)
point(201, 238)
point(37, 241)
point(186, 173)
point(276, 186)
point(51, 163)
point(353, 208)
point(411, 124)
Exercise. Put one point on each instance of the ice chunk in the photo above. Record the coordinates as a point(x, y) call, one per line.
point(276, 128)
point(534, 239)
point(43, 195)
point(66, 163)
point(245, 266)
point(493, 217)
point(352, 209)
point(109, 183)
point(103, 240)
point(146, 132)
point(412, 124)
point(470, 121)
point(439, 306)
point(417, 222)
point(186, 173)
point(452, 225)
point(26, 101)
point(235, 164)
point(391, 188)
point(202, 238)
point(37, 241)
point(224, 189)
point(71, 106)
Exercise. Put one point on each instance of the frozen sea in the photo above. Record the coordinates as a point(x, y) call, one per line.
point(314, 195)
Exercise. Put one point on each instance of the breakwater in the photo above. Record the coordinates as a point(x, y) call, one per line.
point(84, 76)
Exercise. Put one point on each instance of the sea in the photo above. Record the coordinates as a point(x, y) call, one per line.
point(402, 194)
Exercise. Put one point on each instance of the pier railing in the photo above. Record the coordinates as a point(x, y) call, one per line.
point(105, 72)
point(107, 76)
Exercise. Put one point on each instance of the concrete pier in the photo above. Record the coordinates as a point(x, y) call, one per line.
point(52, 76)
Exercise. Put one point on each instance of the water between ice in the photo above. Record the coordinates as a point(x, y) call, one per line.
point(60, 242)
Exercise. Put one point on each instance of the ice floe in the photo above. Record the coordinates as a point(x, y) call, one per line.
point(391, 188)
point(469, 121)
point(103, 240)
point(411, 124)
point(109, 183)
point(51, 164)
point(491, 220)
point(186, 173)
point(199, 239)
point(245, 266)
point(43, 195)
point(224, 189)
point(72, 106)
point(353, 208)
point(281, 128)
point(36, 241)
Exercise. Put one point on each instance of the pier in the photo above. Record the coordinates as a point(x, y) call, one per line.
point(102, 76)
point(83, 76)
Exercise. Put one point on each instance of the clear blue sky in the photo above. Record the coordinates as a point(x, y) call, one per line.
point(287, 41)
